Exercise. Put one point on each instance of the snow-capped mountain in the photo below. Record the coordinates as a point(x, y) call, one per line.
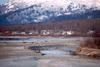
point(29, 11)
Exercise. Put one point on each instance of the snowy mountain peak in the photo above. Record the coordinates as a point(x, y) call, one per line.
point(26, 11)
point(56, 3)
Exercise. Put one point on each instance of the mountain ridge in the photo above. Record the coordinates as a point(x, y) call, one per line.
point(36, 13)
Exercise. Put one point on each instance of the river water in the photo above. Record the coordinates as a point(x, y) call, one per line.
point(54, 56)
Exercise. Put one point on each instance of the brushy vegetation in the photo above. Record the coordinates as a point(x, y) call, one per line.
point(92, 43)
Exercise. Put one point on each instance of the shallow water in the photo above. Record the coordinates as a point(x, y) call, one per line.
point(56, 56)
point(50, 61)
